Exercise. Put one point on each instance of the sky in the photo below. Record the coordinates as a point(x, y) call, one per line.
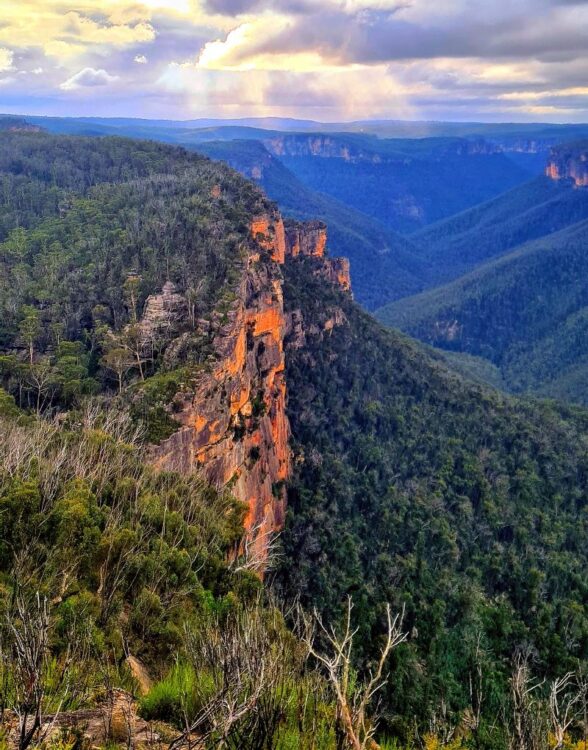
point(328, 60)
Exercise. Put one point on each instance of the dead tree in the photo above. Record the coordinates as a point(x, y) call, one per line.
point(257, 552)
point(33, 680)
point(336, 659)
point(528, 729)
point(566, 702)
point(246, 674)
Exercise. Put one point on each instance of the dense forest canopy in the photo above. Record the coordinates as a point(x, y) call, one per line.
point(89, 229)
point(417, 487)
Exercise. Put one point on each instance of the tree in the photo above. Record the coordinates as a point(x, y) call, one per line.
point(245, 669)
point(40, 377)
point(132, 288)
point(29, 328)
point(566, 702)
point(352, 702)
point(33, 680)
point(528, 729)
point(118, 361)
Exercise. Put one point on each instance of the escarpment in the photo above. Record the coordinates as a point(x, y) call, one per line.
point(569, 163)
point(233, 423)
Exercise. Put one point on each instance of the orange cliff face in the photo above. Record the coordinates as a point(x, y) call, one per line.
point(269, 234)
point(306, 238)
point(309, 239)
point(569, 163)
point(233, 425)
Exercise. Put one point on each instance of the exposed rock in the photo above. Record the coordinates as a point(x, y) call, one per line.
point(269, 234)
point(19, 125)
point(569, 163)
point(234, 427)
point(309, 239)
point(351, 150)
point(163, 312)
point(295, 336)
point(140, 673)
point(306, 238)
point(114, 721)
point(338, 273)
point(336, 318)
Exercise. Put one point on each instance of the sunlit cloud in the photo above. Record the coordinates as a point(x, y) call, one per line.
point(327, 59)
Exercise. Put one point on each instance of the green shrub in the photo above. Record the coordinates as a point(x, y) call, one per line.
point(179, 695)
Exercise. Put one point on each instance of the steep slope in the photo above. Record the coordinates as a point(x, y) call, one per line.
point(535, 209)
point(152, 269)
point(524, 312)
point(413, 486)
point(384, 265)
point(155, 272)
point(569, 162)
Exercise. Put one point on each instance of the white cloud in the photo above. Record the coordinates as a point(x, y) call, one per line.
point(88, 77)
point(141, 59)
point(6, 58)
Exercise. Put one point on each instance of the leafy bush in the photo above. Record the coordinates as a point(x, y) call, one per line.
point(177, 697)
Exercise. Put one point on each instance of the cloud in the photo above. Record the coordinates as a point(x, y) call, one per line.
point(327, 59)
point(370, 36)
point(64, 33)
point(88, 78)
point(6, 59)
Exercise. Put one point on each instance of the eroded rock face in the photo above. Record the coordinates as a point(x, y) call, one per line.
point(234, 427)
point(163, 312)
point(569, 163)
point(309, 239)
point(337, 272)
point(306, 238)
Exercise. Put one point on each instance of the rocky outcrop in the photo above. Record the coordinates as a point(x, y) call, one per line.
point(18, 125)
point(115, 721)
point(325, 146)
point(569, 163)
point(357, 149)
point(234, 427)
point(307, 238)
point(270, 235)
point(337, 271)
point(163, 312)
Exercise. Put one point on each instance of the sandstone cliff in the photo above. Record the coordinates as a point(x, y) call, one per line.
point(358, 150)
point(569, 163)
point(234, 426)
